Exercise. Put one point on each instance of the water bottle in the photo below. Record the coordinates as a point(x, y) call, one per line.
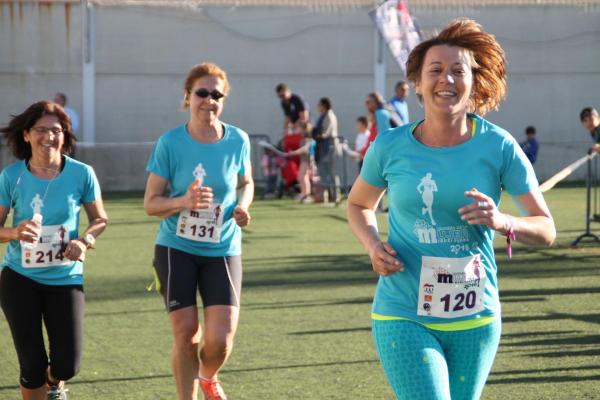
point(37, 219)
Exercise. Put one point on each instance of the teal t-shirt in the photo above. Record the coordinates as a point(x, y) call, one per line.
point(180, 159)
point(426, 188)
point(59, 201)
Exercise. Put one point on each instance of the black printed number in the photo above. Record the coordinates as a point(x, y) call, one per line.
point(201, 231)
point(461, 301)
point(49, 256)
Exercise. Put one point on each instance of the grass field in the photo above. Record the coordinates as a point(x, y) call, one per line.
point(304, 329)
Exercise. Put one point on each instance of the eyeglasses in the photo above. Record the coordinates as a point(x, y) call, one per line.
point(204, 93)
point(45, 129)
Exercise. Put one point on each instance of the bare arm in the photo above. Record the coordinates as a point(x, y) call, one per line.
point(246, 195)
point(534, 226)
point(362, 202)
point(299, 151)
point(97, 217)
point(26, 230)
point(303, 116)
point(98, 220)
point(159, 205)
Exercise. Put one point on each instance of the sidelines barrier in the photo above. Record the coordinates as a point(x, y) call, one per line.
point(591, 201)
point(121, 167)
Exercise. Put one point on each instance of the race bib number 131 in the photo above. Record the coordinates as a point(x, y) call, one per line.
point(201, 225)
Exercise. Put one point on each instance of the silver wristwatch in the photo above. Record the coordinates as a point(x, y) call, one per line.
point(89, 240)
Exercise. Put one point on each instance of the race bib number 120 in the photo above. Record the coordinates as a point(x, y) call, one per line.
point(451, 287)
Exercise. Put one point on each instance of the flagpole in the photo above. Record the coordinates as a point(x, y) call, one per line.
point(88, 19)
point(379, 78)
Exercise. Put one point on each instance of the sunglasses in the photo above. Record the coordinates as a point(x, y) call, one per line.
point(204, 93)
point(44, 129)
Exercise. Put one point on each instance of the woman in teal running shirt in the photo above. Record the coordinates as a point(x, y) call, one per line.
point(436, 311)
point(204, 163)
point(41, 280)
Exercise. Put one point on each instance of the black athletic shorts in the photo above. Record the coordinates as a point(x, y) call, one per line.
point(180, 274)
point(27, 304)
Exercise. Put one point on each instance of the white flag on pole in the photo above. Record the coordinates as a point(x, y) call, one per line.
point(398, 28)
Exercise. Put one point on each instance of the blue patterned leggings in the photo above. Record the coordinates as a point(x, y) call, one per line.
point(427, 364)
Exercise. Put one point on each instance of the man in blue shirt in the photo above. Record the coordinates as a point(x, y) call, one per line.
point(530, 146)
point(398, 102)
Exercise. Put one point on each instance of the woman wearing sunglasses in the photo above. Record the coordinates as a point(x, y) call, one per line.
point(198, 247)
point(42, 279)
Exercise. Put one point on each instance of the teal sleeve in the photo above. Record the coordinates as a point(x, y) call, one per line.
point(159, 162)
point(518, 176)
point(5, 190)
point(91, 191)
point(371, 171)
point(245, 164)
point(383, 120)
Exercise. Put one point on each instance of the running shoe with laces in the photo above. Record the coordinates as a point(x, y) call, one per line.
point(212, 389)
point(56, 392)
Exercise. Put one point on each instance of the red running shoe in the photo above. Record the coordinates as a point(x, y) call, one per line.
point(212, 389)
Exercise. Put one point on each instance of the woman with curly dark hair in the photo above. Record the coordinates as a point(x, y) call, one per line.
point(436, 312)
point(42, 271)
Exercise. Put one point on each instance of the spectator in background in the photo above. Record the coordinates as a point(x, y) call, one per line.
point(325, 133)
point(591, 121)
point(360, 142)
point(362, 136)
point(381, 119)
point(398, 102)
point(295, 109)
point(531, 145)
point(306, 152)
point(61, 100)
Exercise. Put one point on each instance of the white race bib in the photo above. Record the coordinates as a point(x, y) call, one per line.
point(49, 250)
point(201, 225)
point(451, 287)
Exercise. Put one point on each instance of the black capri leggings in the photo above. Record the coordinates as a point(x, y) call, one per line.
point(25, 304)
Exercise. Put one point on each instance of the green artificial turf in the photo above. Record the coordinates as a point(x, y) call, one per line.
point(305, 320)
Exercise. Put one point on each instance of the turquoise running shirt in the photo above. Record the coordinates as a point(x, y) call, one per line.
point(180, 160)
point(450, 270)
point(59, 201)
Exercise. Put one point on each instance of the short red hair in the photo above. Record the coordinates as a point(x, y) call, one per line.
point(488, 62)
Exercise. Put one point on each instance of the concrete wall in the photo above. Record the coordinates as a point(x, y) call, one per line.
point(144, 53)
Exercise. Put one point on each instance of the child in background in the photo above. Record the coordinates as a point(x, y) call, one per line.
point(530, 146)
point(307, 164)
point(270, 170)
point(360, 142)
